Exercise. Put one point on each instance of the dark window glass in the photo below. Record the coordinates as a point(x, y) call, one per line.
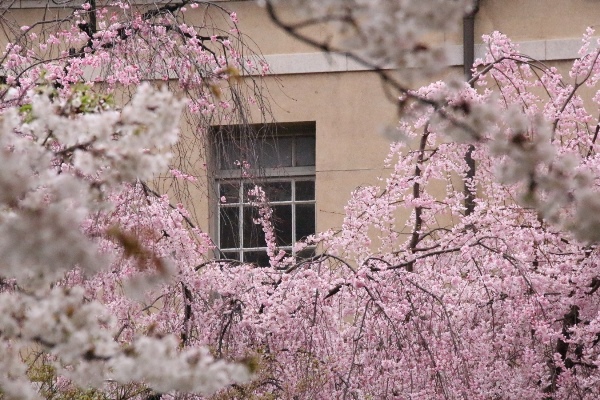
point(231, 255)
point(229, 223)
point(305, 151)
point(264, 146)
point(253, 232)
point(305, 220)
point(230, 152)
point(247, 188)
point(231, 192)
point(282, 222)
point(259, 258)
point(275, 152)
point(274, 191)
point(278, 191)
point(305, 190)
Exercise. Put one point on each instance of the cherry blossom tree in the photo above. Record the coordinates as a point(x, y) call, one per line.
point(500, 303)
point(86, 242)
point(192, 47)
point(61, 165)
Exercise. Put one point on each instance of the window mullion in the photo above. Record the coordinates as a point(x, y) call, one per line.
point(293, 214)
point(241, 222)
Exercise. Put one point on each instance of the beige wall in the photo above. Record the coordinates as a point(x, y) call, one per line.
point(521, 20)
point(538, 19)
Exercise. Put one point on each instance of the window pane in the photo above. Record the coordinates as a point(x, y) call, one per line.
point(305, 151)
point(275, 152)
point(259, 258)
point(231, 255)
point(274, 191)
point(305, 220)
point(253, 233)
point(248, 187)
point(305, 190)
point(229, 153)
point(229, 225)
point(231, 192)
point(282, 221)
point(278, 191)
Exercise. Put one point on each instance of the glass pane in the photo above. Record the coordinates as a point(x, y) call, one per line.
point(259, 258)
point(229, 227)
point(274, 191)
point(229, 153)
point(305, 220)
point(231, 192)
point(231, 255)
point(278, 191)
point(282, 222)
point(305, 151)
point(253, 232)
point(305, 190)
point(248, 187)
point(275, 152)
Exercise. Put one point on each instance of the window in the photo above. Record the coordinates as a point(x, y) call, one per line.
point(281, 160)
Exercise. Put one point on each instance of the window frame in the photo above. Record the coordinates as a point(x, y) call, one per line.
point(237, 176)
